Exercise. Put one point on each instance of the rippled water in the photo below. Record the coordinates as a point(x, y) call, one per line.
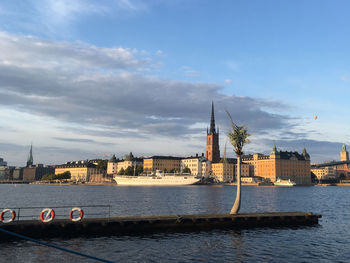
point(327, 242)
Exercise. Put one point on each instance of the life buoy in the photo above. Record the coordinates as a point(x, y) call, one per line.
point(75, 219)
point(47, 215)
point(2, 218)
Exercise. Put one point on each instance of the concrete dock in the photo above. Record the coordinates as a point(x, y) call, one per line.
point(65, 228)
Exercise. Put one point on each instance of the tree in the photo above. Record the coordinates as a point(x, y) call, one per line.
point(121, 171)
point(238, 138)
point(129, 171)
point(62, 176)
point(102, 165)
point(139, 169)
point(186, 170)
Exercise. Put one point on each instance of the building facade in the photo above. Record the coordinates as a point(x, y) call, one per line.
point(226, 170)
point(282, 165)
point(341, 168)
point(212, 149)
point(324, 173)
point(223, 171)
point(194, 164)
point(162, 163)
point(2, 162)
point(114, 165)
point(81, 171)
point(36, 172)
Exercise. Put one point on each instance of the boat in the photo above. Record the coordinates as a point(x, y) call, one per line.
point(163, 179)
point(280, 182)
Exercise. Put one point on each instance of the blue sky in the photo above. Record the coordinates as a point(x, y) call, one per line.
point(86, 79)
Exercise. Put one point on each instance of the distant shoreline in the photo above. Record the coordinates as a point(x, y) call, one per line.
point(114, 184)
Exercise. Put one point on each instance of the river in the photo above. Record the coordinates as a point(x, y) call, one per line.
point(326, 242)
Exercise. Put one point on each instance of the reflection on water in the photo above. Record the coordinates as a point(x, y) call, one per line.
point(327, 242)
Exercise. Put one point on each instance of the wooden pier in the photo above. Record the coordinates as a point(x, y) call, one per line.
point(65, 228)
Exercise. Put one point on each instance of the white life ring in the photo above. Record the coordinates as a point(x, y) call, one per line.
point(47, 215)
point(2, 218)
point(76, 219)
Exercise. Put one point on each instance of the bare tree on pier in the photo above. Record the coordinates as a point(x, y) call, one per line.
point(238, 138)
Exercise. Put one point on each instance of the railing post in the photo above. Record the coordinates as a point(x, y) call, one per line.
point(19, 212)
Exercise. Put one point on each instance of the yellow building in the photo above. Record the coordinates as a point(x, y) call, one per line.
point(245, 169)
point(80, 171)
point(324, 173)
point(194, 164)
point(114, 165)
point(283, 165)
point(223, 171)
point(206, 168)
point(226, 171)
point(162, 163)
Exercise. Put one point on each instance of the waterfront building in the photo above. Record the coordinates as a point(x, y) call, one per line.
point(341, 168)
point(18, 173)
point(114, 165)
point(6, 172)
point(162, 163)
point(281, 164)
point(194, 164)
point(2, 162)
point(324, 173)
point(212, 149)
point(129, 160)
point(81, 171)
point(223, 171)
point(36, 172)
point(344, 154)
point(226, 170)
point(206, 168)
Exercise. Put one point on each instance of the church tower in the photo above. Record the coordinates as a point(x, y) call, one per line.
point(344, 154)
point(30, 157)
point(212, 149)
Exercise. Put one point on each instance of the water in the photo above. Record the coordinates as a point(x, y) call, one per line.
point(327, 242)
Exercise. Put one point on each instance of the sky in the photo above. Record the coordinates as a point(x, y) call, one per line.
point(88, 79)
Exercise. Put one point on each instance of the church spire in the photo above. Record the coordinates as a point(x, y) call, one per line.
point(212, 120)
point(30, 156)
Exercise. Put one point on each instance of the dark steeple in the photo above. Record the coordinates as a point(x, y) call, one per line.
point(212, 149)
point(212, 120)
point(30, 157)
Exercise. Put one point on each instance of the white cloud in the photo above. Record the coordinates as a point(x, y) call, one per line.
point(31, 52)
point(85, 94)
point(190, 72)
point(232, 65)
point(228, 81)
point(59, 18)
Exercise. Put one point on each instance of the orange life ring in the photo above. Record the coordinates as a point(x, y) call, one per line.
point(2, 218)
point(50, 215)
point(77, 218)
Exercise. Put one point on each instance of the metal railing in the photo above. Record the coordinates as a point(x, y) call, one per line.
point(61, 212)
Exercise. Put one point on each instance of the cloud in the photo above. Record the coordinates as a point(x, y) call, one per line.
point(232, 65)
point(80, 140)
point(101, 86)
point(189, 72)
point(34, 53)
point(59, 18)
point(228, 81)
